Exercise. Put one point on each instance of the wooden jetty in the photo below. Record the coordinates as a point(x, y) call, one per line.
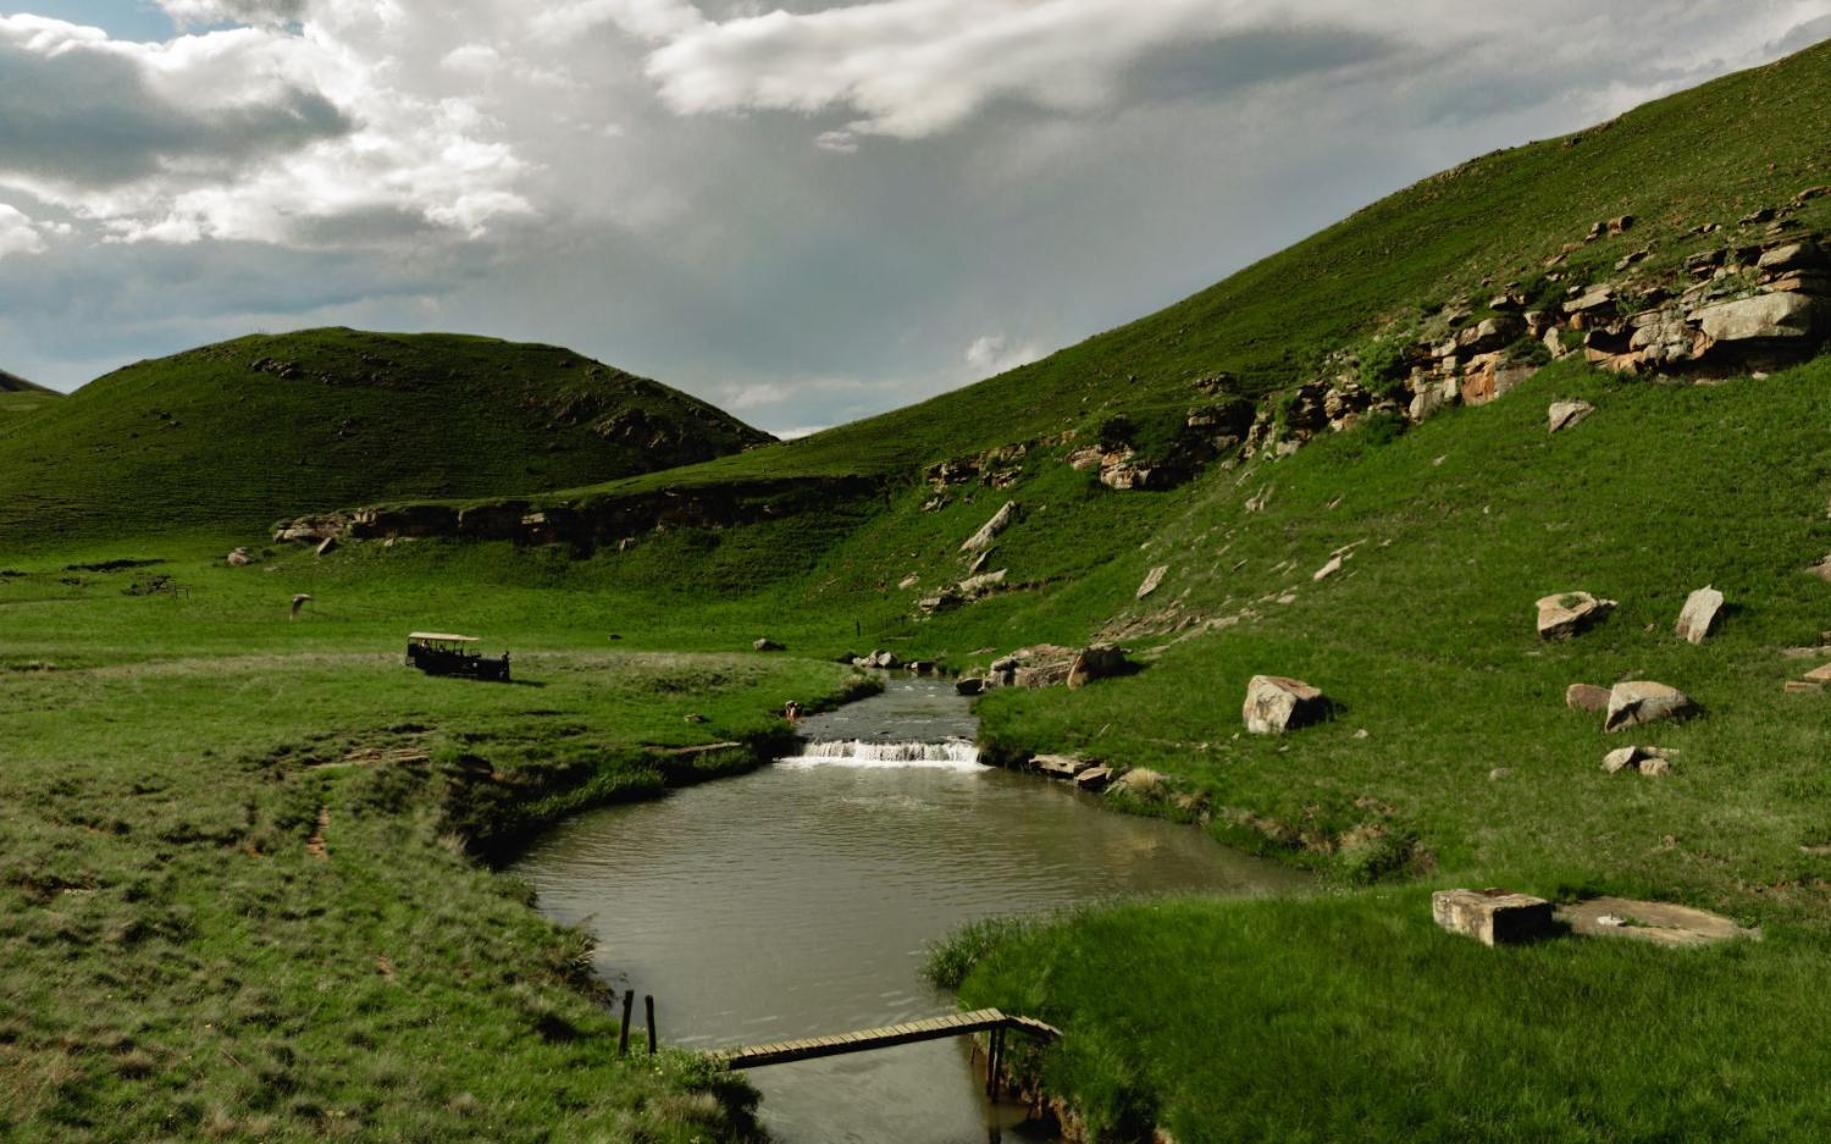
point(992, 1021)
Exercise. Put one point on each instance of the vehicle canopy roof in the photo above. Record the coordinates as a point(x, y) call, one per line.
point(441, 637)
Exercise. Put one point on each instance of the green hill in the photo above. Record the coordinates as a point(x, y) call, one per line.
point(17, 395)
point(232, 436)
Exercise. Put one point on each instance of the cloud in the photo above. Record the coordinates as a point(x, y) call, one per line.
point(991, 355)
point(18, 233)
point(252, 133)
point(193, 12)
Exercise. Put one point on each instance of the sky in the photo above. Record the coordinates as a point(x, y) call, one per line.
point(806, 212)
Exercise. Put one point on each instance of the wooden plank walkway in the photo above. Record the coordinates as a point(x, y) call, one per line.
point(866, 1040)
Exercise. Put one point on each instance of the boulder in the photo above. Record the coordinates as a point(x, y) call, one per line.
point(988, 532)
point(1791, 256)
point(239, 558)
point(1327, 570)
point(1765, 317)
point(881, 660)
point(1493, 916)
point(1094, 778)
point(1569, 613)
point(1640, 702)
point(1586, 697)
point(984, 584)
point(1649, 761)
point(1097, 661)
point(1823, 569)
point(1141, 782)
point(1276, 704)
point(768, 645)
point(327, 546)
point(1153, 580)
point(1595, 301)
point(1060, 766)
point(1699, 615)
point(1820, 674)
point(1566, 414)
point(969, 687)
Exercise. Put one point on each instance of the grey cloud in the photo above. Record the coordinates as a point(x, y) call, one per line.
point(90, 119)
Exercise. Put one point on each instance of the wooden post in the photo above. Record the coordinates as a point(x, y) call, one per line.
point(648, 1005)
point(629, 1002)
point(994, 1061)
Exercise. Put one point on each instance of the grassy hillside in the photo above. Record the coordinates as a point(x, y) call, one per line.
point(17, 395)
point(1709, 155)
point(235, 435)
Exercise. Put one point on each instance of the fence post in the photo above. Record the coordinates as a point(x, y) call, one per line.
point(648, 1004)
point(629, 1002)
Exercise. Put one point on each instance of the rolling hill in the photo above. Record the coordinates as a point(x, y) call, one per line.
point(232, 436)
point(17, 395)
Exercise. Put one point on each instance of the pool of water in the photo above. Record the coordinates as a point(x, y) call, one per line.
point(800, 900)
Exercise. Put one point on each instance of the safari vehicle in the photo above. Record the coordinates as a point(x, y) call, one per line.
point(437, 653)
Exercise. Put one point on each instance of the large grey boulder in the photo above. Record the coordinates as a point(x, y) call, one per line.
point(1762, 318)
point(1569, 613)
point(1699, 615)
point(1640, 702)
point(1276, 704)
point(1492, 917)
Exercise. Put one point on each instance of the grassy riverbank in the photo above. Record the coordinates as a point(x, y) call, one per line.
point(237, 885)
point(1352, 1017)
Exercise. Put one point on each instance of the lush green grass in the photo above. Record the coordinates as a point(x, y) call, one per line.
point(1353, 1018)
point(17, 395)
point(179, 963)
point(235, 435)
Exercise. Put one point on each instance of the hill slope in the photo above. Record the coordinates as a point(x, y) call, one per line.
point(1712, 155)
point(238, 434)
point(17, 395)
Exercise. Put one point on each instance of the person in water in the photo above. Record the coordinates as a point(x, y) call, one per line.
point(792, 712)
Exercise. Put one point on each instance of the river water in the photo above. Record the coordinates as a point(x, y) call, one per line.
point(799, 901)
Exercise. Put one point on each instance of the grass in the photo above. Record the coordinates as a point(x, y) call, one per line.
point(233, 436)
point(1351, 1017)
point(181, 964)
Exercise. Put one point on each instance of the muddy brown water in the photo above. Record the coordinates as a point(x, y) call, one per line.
point(800, 900)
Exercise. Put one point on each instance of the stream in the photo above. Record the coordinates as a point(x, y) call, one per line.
point(800, 900)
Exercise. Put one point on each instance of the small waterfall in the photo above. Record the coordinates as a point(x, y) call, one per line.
point(950, 754)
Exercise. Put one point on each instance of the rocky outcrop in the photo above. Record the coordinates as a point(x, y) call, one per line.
point(1276, 704)
point(1699, 615)
point(1639, 702)
point(1049, 665)
point(1569, 614)
point(587, 523)
point(988, 532)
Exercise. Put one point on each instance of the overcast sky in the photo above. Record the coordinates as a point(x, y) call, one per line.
point(805, 212)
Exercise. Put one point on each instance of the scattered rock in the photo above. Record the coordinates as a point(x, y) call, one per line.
point(1493, 916)
point(327, 546)
point(239, 558)
point(1699, 615)
point(1570, 613)
point(696, 719)
point(1060, 766)
point(1802, 687)
point(1276, 704)
point(1586, 697)
point(1499, 773)
point(990, 531)
point(982, 585)
point(969, 687)
point(909, 582)
point(1650, 761)
point(1820, 674)
point(1153, 580)
point(1566, 414)
point(881, 660)
point(1328, 570)
point(1098, 661)
point(768, 645)
point(1094, 778)
point(1823, 569)
point(1660, 923)
point(1640, 702)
